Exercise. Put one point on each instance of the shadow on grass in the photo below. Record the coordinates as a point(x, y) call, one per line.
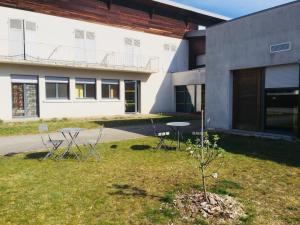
point(11, 154)
point(36, 155)
point(224, 187)
point(140, 147)
point(146, 121)
point(279, 151)
point(41, 155)
point(128, 190)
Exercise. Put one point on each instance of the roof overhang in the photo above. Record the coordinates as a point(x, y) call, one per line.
point(193, 9)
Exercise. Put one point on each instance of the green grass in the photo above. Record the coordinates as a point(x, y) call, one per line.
point(129, 186)
point(21, 128)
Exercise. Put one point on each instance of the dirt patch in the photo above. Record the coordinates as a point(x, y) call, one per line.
point(221, 209)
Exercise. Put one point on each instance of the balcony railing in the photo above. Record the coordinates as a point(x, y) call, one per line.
point(68, 56)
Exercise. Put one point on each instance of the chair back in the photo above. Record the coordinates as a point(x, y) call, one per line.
point(153, 127)
point(43, 128)
point(99, 135)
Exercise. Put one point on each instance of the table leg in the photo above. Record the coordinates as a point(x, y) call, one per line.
point(67, 148)
point(73, 137)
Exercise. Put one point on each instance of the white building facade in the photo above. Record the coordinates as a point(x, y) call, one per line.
point(54, 67)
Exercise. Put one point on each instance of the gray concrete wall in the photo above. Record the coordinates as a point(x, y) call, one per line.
point(245, 43)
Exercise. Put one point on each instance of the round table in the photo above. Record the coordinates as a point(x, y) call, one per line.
point(176, 127)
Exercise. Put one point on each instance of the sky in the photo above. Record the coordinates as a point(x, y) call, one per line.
point(233, 8)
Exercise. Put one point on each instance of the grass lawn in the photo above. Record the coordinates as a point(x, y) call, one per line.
point(31, 127)
point(131, 182)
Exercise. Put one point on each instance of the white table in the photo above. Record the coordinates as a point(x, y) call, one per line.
point(176, 126)
point(71, 134)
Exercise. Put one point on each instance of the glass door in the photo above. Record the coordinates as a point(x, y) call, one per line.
point(24, 100)
point(282, 110)
point(132, 89)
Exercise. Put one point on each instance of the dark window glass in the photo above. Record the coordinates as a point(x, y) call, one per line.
point(63, 91)
point(110, 90)
point(105, 90)
point(50, 90)
point(282, 110)
point(185, 98)
point(90, 91)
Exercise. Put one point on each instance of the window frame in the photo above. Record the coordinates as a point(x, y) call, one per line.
point(85, 82)
point(57, 82)
point(106, 82)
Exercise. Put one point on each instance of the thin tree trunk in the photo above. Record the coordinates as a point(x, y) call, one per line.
point(204, 183)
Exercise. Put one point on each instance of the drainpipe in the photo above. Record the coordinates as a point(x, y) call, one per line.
point(24, 40)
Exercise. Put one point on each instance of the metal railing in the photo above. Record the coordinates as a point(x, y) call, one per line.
point(42, 53)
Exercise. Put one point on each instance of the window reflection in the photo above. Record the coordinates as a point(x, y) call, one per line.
point(282, 110)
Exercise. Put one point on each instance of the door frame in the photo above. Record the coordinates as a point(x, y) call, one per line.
point(37, 98)
point(137, 85)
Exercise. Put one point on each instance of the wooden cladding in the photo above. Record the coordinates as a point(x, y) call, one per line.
point(247, 99)
point(126, 14)
point(197, 47)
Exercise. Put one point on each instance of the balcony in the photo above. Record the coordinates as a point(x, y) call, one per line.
point(196, 76)
point(36, 53)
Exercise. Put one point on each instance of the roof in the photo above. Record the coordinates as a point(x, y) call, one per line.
point(192, 9)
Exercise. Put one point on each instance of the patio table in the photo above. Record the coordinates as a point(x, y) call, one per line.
point(71, 134)
point(176, 126)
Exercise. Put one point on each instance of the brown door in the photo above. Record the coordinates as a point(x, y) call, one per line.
point(247, 103)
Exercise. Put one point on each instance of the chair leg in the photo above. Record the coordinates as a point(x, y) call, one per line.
point(92, 152)
point(48, 155)
point(159, 144)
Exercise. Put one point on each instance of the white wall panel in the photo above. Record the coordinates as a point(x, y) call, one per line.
point(285, 76)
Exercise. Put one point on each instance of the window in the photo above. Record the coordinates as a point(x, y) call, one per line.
point(190, 98)
point(57, 88)
point(110, 89)
point(282, 109)
point(85, 88)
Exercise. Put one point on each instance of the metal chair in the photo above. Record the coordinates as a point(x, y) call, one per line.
point(162, 135)
point(50, 144)
point(92, 144)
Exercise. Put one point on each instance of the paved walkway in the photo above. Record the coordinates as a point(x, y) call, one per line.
point(24, 143)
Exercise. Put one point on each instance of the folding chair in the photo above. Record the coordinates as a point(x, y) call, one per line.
point(92, 144)
point(162, 135)
point(50, 144)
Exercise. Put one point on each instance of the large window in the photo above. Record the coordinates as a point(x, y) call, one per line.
point(24, 96)
point(282, 109)
point(57, 88)
point(110, 89)
point(85, 88)
point(190, 98)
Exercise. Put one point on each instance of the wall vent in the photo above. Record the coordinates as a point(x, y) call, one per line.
point(30, 26)
point(79, 34)
point(16, 24)
point(281, 47)
point(90, 35)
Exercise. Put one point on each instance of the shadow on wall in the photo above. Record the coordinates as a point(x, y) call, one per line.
point(165, 97)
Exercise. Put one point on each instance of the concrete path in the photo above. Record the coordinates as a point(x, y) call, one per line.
point(24, 143)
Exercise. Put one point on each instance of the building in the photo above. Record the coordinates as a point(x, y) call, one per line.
point(91, 58)
point(252, 72)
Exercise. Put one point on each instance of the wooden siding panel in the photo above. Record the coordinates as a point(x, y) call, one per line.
point(247, 99)
point(97, 11)
point(197, 46)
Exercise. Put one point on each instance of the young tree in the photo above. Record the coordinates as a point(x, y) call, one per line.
point(205, 150)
